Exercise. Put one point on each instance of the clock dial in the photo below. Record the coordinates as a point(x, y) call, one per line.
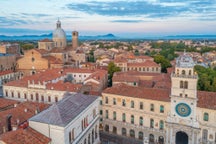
point(183, 109)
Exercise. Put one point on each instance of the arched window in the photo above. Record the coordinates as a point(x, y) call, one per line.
point(123, 117)
point(37, 97)
point(141, 121)
point(141, 135)
point(132, 133)
point(107, 114)
point(106, 100)
point(161, 140)
point(114, 115)
point(49, 99)
point(189, 72)
point(152, 107)
point(123, 102)
point(18, 94)
point(186, 84)
point(151, 138)
point(206, 117)
point(161, 109)
point(114, 130)
point(151, 123)
point(181, 84)
point(177, 71)
point(124, 131)
point(183, 72)
point(107, 128)
point(42, 98)
point(161, 125)
point(132, 119)
point(205, 135)
point(132, 104)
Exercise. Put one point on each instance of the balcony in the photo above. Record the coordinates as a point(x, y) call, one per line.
point(184, 76)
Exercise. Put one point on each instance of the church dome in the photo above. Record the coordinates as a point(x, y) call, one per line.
point(59, 33)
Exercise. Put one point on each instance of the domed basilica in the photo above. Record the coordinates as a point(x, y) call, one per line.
point(53, 53)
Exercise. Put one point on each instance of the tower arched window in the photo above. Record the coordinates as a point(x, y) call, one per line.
point(183, 72)
point(189, 72)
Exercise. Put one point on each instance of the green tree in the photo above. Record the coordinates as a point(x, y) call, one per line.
point(112, 68)
point(136, 53)
point(163, 61)
point(27, 46)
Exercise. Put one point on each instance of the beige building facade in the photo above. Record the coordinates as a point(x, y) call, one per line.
point(181, 114)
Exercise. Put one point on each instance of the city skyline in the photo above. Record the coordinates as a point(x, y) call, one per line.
point(133, 18)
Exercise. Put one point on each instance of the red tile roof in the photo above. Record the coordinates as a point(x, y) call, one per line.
point(61, 86)
point(6, 72)
point(147, 63)
point(139, 92)
point(206, 99)
point(24, 136)
point(46, 40)
point(6, 102)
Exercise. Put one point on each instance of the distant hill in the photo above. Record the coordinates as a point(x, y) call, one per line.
point(49, 36)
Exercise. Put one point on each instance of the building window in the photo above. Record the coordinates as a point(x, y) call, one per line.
point(42, 98)
point(49, 99)
point(114, 115)
point(134, 83)
point(123, 102)
point(161, 109)
point(12, 94)
point(114, 130)
point(18, 94)
point(186, 84)
point(106, 100)
point(107, 128)
point(56, 99)
point(189, 72)
point(123, 117)
point(132, 133)
point(124, 131)
point(132, 119)
point(152, 107)
point(141, 121)
point(181, 84)
point(31, 96)
point(6, 93)
point(183, 72)
point(71, 136)
point(101, 102)
point(107, 114)
point(101, 112)
point(37, 97)
point(114, 101)
point(205, 135)
point(206, 117)
point(151, 123)
point(161, 125)
point(141, 135)
point(141, 105)
point(25, 95)
point(132, 104)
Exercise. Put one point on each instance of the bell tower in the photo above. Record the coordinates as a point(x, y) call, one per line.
point(75, 35)
point(182, 120)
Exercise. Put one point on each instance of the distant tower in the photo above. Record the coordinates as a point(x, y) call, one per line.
point(74, 40)
point(59, 36)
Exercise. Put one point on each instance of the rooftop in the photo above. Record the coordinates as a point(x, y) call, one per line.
point(64, 111)
point(24, 136)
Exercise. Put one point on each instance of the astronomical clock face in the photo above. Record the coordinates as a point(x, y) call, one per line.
point(183, 109)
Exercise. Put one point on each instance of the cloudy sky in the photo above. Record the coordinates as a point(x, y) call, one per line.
point(120, 17)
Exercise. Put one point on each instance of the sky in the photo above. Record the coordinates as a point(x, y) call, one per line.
point(121, 17)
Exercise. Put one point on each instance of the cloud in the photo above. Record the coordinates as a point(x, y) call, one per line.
point(4, 21)
point(153, 8)
point(35, 15)
point(127, 21)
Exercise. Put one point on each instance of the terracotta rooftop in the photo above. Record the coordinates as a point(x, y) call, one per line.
point(6, 72)
point(6, 102)
point(24, 136)
point(206, 99)
point(46, 40)
point(64, 86)
point(20, 113)
point(139, 92)
point(147, 63)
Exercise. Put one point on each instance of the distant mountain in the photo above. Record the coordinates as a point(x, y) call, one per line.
point(49, 36)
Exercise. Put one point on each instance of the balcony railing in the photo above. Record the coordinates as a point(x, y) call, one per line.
point(184, 76)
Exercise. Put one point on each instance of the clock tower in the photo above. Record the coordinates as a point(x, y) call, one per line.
point(182, 124)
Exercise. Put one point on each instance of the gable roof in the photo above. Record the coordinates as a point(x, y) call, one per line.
point(63, 112)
